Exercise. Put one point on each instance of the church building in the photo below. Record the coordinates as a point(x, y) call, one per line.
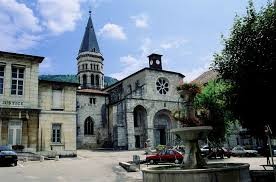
point(128, 112)
point(56, 114)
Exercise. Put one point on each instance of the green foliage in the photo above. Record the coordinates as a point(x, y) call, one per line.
point(191, 87)
point(213, 108)
point(248, 62)
point(160, 147)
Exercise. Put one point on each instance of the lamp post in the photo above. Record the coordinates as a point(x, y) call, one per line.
point(268, 132)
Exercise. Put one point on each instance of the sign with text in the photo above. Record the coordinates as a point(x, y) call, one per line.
point(11, 103)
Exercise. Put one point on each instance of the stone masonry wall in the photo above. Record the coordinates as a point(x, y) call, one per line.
point(98, 114)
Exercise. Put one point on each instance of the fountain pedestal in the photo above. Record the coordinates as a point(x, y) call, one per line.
point(190, 137)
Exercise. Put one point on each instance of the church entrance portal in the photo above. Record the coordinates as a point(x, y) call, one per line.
point(140, 120)
point(162, 125)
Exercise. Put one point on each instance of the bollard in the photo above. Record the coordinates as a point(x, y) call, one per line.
point(25, 159)
point(57, 158)
point(41, 158)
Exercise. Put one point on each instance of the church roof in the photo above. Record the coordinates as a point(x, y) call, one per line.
point(89, 41)
point(149, 69)
point(92, 91)
point(206, 77)
point(59, 78)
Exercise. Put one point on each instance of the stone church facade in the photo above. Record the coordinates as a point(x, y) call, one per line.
point(127, 113)
point(56, 114)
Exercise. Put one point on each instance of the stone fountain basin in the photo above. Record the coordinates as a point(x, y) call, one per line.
point(216, 172)
point(192, 133)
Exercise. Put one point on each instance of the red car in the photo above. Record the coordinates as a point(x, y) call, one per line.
point(165, 156)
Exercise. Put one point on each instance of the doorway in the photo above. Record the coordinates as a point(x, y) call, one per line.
point(162, 136)
point(137, 141)
point(15, 132)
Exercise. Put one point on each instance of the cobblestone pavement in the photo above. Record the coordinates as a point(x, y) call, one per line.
point(99, 166)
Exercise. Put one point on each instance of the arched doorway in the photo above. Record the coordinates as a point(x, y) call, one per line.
point(140, 119)
point(163, 122)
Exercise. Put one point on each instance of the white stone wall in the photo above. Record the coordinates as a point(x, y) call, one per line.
point(98, 114)
point(66, 117)
point(29, 99)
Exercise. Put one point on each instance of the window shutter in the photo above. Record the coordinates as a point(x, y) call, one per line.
point(57, 99)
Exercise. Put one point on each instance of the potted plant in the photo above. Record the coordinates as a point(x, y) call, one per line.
point(188, 91)
point(192, 128)
point(186, 116)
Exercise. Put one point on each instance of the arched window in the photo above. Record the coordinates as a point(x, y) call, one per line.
point(84, 80)
point(88, 126)
point(92, 80)
point(97, 80)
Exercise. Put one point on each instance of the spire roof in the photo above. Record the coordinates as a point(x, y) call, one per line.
point(89, 40)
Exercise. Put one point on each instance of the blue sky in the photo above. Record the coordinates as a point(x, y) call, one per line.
point(186, 32)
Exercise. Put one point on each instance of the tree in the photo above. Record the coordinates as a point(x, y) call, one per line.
point(211, 103)
point(248, 62)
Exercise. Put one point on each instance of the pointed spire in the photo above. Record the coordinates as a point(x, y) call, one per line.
point(89, 41)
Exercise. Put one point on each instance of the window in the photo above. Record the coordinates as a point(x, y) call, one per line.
point(17, 81)
point(92, 100)
point(57, 99)
point(86, 66)
point(2, 69)
point(162, 86)
point(97, 67)
point(97, 80)
point(92, 80)
point(56, 129)
point(88, 126)
point(84, 80)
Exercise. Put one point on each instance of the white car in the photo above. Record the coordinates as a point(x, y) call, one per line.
point(240, 151)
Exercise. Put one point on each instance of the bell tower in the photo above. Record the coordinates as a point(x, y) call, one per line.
point(155, 61)
point(90, 60)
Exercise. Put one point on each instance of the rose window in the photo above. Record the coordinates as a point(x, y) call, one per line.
point(162, 86)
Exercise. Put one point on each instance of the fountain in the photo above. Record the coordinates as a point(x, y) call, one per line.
point(194, 168)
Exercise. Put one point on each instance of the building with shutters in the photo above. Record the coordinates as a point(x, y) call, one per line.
point(39, 114)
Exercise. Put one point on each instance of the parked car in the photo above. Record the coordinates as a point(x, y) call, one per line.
point(215, 152)
point(240, 151)
point(165, 156)
point(7, 156)
point(263, 150)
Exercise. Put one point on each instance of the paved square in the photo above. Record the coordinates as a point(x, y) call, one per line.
point(97, 166)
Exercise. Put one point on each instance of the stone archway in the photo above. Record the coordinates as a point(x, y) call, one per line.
point(162, 124)
point(140, 120)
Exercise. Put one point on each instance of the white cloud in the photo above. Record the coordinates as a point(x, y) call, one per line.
point(141, 21)
point(60, 16)
point(173, 44)
point(47, 66)
point(204, 65)
point(19, 28)
point(132, 63)
point(113, 31)
point(19, 15)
